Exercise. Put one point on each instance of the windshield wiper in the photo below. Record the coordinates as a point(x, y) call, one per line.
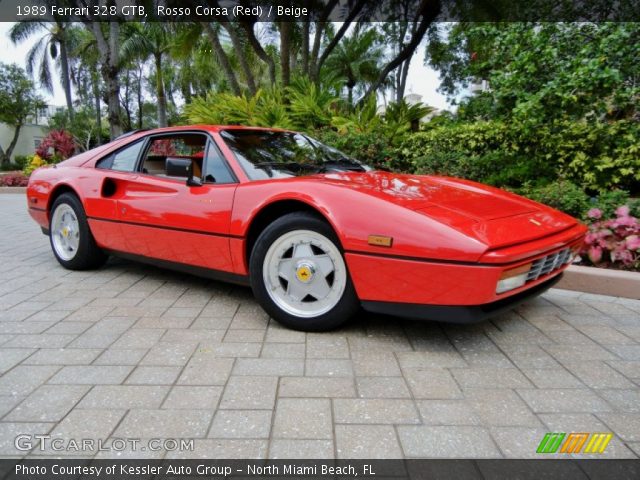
point(343, 163)
point(291, 166)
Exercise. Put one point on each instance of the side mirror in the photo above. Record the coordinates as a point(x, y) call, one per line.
point(194, 181)
point(177, 167)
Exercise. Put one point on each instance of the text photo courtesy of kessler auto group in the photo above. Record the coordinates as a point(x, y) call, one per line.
point(319, 239)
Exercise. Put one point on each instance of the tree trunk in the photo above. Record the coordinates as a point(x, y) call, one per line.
point(242, 58)
point(402, 84)
point(162, 99)
point(320, 25)
point(5, 156)
point(125, 103)
point(66, 80)
point(336, 39)
point(113, 100)
point(222, 58)
point(109, 68)
point(113, 85)
point(139, 91)
point(285, 52)
point(96, 97)
point(429, 10)
point(305, 47)
point(262, 54)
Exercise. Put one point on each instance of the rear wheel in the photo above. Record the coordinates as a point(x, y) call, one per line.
point(299, 276)
point(71, 241)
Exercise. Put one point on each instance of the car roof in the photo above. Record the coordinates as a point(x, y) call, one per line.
point(210, 128)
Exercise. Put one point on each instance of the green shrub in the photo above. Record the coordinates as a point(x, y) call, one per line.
point(597, 156)
point(561, 194)
point(21, 161)
point(607, 202)
point(368, 147)
point(9, 167)
point(512, 170)
point(481, 151)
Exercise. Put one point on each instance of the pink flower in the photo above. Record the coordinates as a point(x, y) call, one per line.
point(625, 256)
point(622, 211)
point(595, 254)
point(595, 213)
point(633, 242)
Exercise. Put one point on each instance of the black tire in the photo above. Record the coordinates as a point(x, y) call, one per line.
point(88, 255)
point(345, 308)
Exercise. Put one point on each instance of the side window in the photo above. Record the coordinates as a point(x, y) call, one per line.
point(216, 169)
point(123, 160)
point(174, 156)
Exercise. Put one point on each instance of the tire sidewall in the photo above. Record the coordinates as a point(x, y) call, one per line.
point(339, 314)
point(88, 254)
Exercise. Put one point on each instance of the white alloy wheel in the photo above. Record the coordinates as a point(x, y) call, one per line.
point(65, 232)
point(304, 273)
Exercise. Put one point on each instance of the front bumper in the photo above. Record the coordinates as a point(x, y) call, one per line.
point(456, 313)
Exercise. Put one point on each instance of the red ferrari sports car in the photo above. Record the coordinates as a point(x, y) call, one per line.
point(315, 233)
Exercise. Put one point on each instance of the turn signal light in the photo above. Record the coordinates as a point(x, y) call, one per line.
point(513, 278)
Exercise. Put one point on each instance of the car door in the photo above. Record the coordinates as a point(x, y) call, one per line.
point(163, 218)
point(111, 172)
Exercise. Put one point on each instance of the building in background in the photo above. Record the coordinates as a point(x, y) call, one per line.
point(31, 133)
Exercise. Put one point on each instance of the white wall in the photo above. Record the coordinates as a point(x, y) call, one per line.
point(26, 145)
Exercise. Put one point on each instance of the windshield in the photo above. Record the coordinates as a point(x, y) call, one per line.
point(265, 154)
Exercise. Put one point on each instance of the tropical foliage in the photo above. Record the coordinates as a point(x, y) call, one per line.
point(18, 100)
point(58, 145)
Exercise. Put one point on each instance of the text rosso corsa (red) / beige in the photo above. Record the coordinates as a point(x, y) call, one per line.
point(237, 11)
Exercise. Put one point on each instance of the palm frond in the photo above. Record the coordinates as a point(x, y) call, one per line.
point(35, 52)
point(21, 31)
point(44, 76)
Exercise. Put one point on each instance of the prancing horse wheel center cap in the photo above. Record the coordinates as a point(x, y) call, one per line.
point(305, 272)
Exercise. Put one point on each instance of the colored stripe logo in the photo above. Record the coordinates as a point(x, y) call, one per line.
point(550, 443)
point(573, 442)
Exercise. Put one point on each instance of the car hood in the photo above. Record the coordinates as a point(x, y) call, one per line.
point(493, 216)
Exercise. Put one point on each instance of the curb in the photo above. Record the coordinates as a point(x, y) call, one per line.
point(616, 283)
point(13, 189)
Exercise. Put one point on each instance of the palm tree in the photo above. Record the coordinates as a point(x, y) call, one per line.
point(151, 39)
point(84, 66)
point(54, 44)
point(356, 59)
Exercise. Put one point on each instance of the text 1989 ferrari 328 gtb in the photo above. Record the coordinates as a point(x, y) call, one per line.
point(315, 233)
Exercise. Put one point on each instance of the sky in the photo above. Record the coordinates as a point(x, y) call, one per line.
point(421, 80)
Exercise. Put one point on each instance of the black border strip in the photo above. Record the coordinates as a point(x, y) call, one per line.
point(38, 209)
point(163, 227)
point(210, 273)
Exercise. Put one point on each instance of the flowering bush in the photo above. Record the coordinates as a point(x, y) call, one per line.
point(62, 144)
point(14, 179)
point(34, 162)
point(614, 242)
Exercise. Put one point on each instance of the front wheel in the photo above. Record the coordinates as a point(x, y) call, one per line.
point(299, 276)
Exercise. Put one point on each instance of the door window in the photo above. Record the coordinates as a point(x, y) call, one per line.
point(174, 156)
point(216, 168)
point(123, 160)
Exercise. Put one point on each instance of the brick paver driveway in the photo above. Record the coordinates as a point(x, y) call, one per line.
point(131, 351)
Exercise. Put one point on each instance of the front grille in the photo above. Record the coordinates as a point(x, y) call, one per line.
point(548, 264)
